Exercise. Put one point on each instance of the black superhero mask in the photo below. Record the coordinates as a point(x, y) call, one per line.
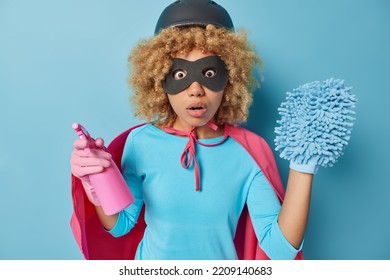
point(209, 71)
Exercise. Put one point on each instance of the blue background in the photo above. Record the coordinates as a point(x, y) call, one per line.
point(66, 61)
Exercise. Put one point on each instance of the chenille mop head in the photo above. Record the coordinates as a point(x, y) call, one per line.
point(316, 123)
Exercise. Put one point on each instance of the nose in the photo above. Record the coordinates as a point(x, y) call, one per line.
point(195, 90)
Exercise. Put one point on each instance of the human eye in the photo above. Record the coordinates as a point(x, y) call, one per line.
point(179, 74)
point(209, 72)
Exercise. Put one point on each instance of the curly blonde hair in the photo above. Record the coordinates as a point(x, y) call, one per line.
point(150, 62)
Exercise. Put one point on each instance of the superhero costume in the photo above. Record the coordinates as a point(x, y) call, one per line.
point(96, 243)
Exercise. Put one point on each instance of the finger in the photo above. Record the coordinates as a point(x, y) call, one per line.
point(92, 153)
point(80, 144)
point(89, 161)
point(85, 171)
point(99, 142)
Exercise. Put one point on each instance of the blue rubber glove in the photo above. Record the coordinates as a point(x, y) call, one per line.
point(315, 125)
point(310, 168)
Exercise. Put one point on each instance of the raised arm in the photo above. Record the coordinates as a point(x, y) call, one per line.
point(315, 126)
point(294, 213)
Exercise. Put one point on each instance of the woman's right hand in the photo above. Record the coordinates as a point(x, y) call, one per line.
point(86, 160)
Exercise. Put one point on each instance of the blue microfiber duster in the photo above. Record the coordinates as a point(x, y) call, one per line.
point(316, 123)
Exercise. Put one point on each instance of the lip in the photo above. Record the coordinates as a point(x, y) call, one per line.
point(196, 105)
point(200, 110)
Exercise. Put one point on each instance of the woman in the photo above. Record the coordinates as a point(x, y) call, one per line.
point(194, 173)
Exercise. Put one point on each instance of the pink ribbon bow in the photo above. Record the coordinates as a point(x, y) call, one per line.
point(189, 154)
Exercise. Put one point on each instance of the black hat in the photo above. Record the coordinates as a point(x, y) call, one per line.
point(194, 12)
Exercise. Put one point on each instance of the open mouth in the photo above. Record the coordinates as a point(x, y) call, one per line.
point(196, 106)
point(196, 110)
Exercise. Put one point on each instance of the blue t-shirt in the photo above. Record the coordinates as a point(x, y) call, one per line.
point(183, 223)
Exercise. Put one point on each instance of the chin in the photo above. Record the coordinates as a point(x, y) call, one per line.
point(200, 122)
point(197, 122)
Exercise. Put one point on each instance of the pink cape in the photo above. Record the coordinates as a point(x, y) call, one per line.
point(97, 244)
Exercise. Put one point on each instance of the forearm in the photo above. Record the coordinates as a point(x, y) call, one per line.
point(294, 213)
point(108, 222)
